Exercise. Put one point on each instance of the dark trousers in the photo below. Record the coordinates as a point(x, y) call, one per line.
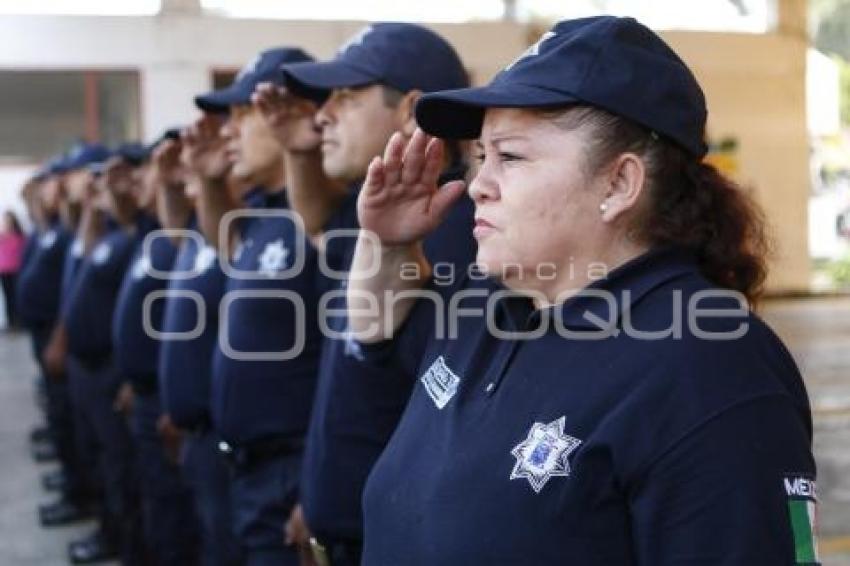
point(8, 281)
point(60, 418)
point(95, 387)
point(264, 494)
point(168, 517)
point(208, 476)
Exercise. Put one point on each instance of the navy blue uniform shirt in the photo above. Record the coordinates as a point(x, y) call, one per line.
point(185, 365)
point(621, 450)
point(73, 260)
point(358, 405)
point(91, 303)
point(136, 349)
point(40, 278)
point(255, 393)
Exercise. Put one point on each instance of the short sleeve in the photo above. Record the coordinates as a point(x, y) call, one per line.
point(737, 490)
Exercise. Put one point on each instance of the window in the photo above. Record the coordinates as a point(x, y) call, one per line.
point(43, 112)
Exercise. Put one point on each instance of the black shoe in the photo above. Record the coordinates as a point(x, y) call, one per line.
point(39, 434)
point(44, 451)
point(94, 548)
point(63, 512)
point(54, 481)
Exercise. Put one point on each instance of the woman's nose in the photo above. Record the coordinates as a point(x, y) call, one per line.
point(483, 187)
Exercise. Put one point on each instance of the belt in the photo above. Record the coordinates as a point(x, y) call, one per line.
point(93, 362)
point(145, 384)
point(332, 553)
point(261, 450)
point(201, 427)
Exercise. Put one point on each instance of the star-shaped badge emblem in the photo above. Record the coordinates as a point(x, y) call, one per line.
point(141, 267)
point(204, 259)
point(273, 258)
point(101, 253)
point(48, 239)
point(544, 454)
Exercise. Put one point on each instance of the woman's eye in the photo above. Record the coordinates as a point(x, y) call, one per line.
point(478, 157)
point(504, 156)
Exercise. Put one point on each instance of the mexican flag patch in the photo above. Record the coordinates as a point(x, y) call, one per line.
point(802, 513)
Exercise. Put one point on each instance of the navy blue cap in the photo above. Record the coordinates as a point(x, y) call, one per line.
point(81, 154)
point(400, 55)
point(133, 153)
point(169, 134)
point(264, 68)
point(616, 64)
point(48, 168)
point(55, 165)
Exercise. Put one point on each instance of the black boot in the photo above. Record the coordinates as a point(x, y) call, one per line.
point(55, 480)
point(63, 512)
point(96, 547)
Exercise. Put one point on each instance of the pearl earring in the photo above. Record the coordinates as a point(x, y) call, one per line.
point(603, 208)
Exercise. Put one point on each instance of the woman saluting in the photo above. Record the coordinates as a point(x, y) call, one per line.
point(604, 395)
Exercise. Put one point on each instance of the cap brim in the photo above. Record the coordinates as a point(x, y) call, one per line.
point(97, 168)
point(317, 79)
point(220, 101)
point(458, 114)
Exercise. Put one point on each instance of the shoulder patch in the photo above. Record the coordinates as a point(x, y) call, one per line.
point(801, 491)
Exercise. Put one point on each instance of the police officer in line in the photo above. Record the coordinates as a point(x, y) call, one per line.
point(264, 366)
point(614, 430)
point(39, 296)
point(77, 218)
point(168, 518)
point(367, 92)
point(185, 358)
point(34, 195)
point(39, 435)
point(113, 225)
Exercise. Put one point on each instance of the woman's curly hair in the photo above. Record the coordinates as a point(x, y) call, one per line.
point(691, 204)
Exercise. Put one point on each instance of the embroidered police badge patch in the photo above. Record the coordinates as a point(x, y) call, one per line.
point(204, 259)
point(273, 258)
point(440, 382)
point(48, 239)
point(141, 267)
point(77, 248)
point(101, 253)
point(544, 454)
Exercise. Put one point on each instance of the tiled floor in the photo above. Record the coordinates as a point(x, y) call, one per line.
point(22, 541)
point(816, 330)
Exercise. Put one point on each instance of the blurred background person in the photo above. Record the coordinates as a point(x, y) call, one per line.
point(12, 242)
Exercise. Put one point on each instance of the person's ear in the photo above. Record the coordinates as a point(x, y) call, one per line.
point(624, 182)
point(405, 112)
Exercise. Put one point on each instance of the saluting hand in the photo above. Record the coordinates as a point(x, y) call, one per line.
point(206, 155)
point(400, 200)
point(298, 534)
point(172, 438)
point(165, 163)
point(123, 402)
point(291, 117)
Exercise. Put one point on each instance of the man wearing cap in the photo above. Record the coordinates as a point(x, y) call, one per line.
point(116, 231)
point(264, 366)
point(191, 316)
point(168, 518)
point(77, 218)
point(367, 92)
point(590, 412)
point(39, 296)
